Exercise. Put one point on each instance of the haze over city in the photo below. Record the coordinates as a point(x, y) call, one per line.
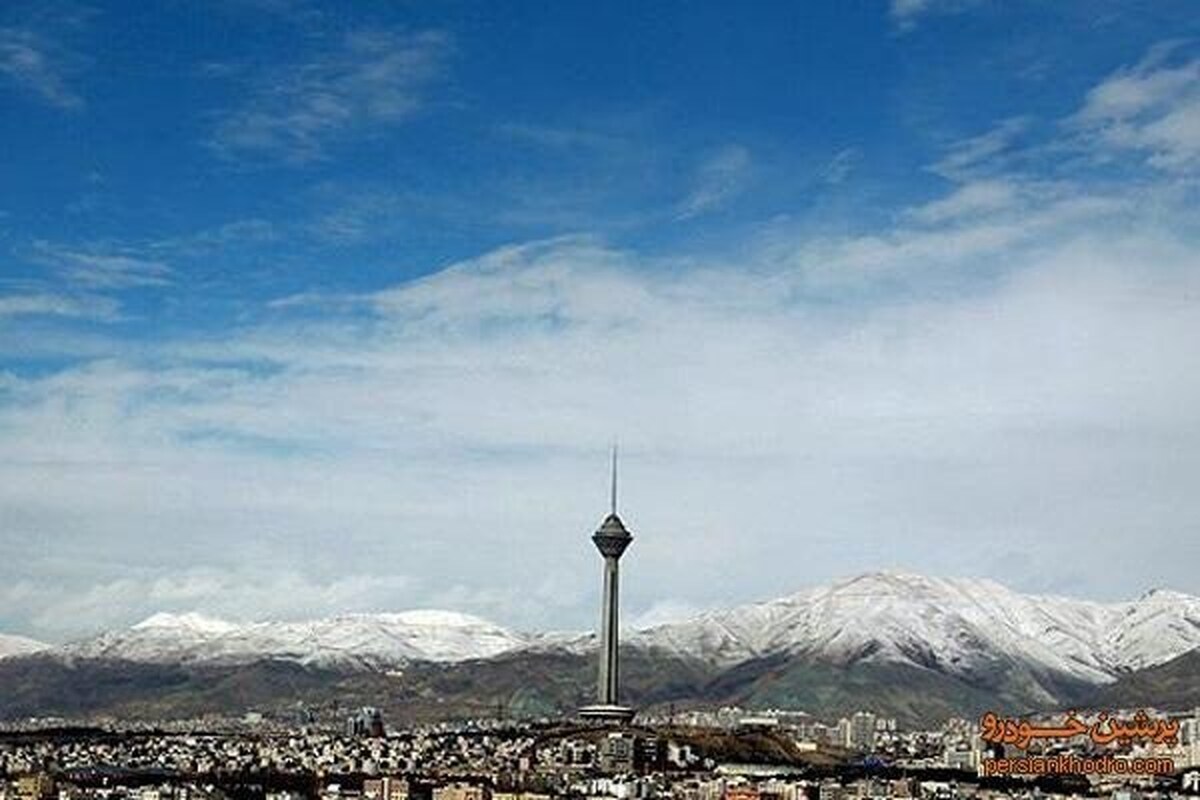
point(307, 309)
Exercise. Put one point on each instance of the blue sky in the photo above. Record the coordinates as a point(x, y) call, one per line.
point(308, 308)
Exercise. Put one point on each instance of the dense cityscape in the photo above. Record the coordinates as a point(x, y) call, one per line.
point(725, 754)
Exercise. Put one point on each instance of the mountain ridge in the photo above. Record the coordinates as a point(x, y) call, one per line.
point(903, 644)
point(955, 625)
point(903, 616)
point(346, 640)
point(13, 646)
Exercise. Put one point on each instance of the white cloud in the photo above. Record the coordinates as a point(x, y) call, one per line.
point(102, 270)
point(1152, 108)
point(240, 232)
point(36, 64)
point(85, 284)
point(977, 229)
point(841, 165)
point(721, 176)
point(362, 215)
point(49, 304)
point(1007, 371)
point(906, 13)
point(469, 415)
point(560, 137)
point(373, 78)
point(64, 613)
point(971, 198)
point(967, 158)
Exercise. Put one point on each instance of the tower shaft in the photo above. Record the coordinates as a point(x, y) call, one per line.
point(606, 691)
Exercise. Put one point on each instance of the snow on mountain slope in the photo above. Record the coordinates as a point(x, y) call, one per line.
point(954, 625)
point(1153, 629)
point(369, 640)
point(19, 646)
point(958, 626)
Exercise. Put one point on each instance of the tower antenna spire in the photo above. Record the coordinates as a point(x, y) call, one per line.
point(613, 497)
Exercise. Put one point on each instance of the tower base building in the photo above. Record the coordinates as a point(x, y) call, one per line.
point(607, 713)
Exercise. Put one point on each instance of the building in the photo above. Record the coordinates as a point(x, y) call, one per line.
point(617, 753)
point(610, 539)
point(649, 754)
point(461, 791)
point(741, 792)
point(574, 753)
point(842, 733)
point(862, 731)
point(35, 786)
point(1189, 738)
point(368, 721)
point(387, 788)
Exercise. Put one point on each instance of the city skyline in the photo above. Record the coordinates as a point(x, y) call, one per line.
point(307, 311)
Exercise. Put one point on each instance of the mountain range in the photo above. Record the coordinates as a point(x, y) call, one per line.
point(368, 641)
point(914, 646)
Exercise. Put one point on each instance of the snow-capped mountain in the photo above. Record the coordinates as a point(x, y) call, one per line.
point(363, 640)
point(918, 648)
point(951, 625)
point(19, 646)
point(954, 626)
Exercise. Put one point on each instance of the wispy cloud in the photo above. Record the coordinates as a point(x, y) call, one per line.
point(228, 595)
point(841, 165)
point(981, 153)
point(244, 235)
point(61, 305)
point(971, 198)
point(363, 215)
point(1151, 108)
point(906, 13)
point(1011, 338)
point(985, 226)
point(102, 270)
point(719, 178)
point(746, 408)
point(558, 137)
point(371, 78)
point(38, 65)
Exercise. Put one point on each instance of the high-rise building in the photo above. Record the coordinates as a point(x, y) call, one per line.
point(368, 721)
point(617, 751)
point(862, 731)
point(649, 754)
point(610, 539)
point(842, 736)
